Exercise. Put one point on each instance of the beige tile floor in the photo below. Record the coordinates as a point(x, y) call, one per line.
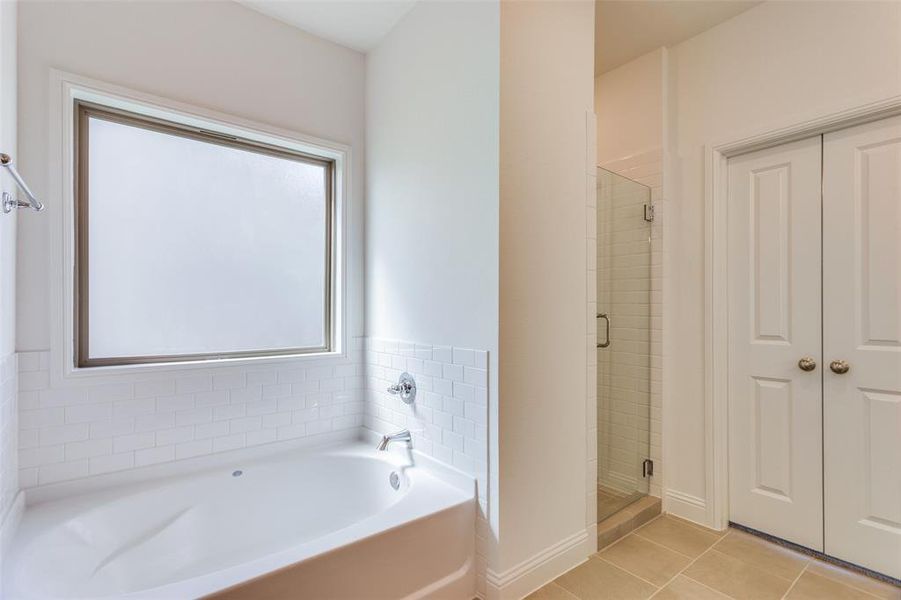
point(672, 559)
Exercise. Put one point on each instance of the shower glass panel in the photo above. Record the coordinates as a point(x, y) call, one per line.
point(624, 341)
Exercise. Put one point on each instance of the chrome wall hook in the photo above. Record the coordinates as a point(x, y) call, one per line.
point(8, 201)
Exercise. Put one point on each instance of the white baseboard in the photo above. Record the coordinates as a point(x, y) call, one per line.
point(686, 506)
point(531, 574)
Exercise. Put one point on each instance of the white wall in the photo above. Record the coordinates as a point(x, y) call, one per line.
point(431, 177)
point(545, 173)
point(629, 107)
point(8, 145)
point(216, 55)
point(777, 64)
point(432, 226)
point(10, 508)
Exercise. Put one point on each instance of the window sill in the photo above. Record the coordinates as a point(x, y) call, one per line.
point(195, 367)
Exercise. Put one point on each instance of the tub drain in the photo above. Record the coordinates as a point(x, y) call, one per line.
point(237, 473)
point(394, 479)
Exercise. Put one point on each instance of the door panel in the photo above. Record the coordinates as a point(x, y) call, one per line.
point(862, 316)
point(775, 453)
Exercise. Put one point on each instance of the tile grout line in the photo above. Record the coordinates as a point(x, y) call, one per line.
point(704, 585)
point(688, 566)
point(804, 570)
point(659, 588)
point(658, 544)
point(656, 587)
point(849, 585)
point(554, 583)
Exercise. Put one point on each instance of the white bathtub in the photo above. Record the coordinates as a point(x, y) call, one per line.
point(320, 523)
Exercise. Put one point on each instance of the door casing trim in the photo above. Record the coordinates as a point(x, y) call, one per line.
point(716, 271)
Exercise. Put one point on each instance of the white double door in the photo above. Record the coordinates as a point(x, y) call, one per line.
point(815, 343)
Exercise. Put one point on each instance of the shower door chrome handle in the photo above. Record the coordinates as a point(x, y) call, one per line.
point(606, 329)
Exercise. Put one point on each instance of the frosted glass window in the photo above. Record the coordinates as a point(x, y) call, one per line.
point(192, 246)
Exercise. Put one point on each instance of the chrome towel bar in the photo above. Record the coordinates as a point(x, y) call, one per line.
point(8, 201)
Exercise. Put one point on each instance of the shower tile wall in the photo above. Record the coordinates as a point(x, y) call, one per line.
point(75, 431)
point(647, 168)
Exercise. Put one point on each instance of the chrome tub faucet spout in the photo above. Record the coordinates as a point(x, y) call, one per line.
point(400, 436)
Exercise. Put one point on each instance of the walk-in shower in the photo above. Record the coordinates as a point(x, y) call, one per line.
point(624, 341)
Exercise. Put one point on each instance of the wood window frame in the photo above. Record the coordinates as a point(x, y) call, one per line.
point(83, 112)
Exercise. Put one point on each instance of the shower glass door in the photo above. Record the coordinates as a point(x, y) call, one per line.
point(624, 341)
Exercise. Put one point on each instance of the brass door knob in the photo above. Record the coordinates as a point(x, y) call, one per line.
point(839, 366)
point(807, 363)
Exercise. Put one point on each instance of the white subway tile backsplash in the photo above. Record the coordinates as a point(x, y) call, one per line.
point(247, 394)
point(42, 417)
point(28, 477)
point(34, 380)
point(463, 356)
point(115, 426)
point(154, 422)
point(152, 456)
point(61, 472)
point(51, 398)
point(174, 403)
point(28, 361)
point(174, 436)
point(86, 413)
point(214, 398)
point(150, 389)
point(464, 391)
point(29, 438)
point(61, 434)
point(276, 390)
point(274, 420)
point(113, 462)
point(134, 408)
point(211, 430)
point(261, 378)
point(134, 441)
point(229, 381)
point(195, 416)
point(70, 432)
point(443, 354)
point(289, 432)
point(88, 449)
point(194, 383)
point(245, 424)
point(111, 392)
point(44, 455)
point(229, 442)
point(263, 436)
point(263, 407)
point(195, 448)
point(453, 372)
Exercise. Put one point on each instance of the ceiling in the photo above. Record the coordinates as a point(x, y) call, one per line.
point(626, 29)
point(358, 24)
